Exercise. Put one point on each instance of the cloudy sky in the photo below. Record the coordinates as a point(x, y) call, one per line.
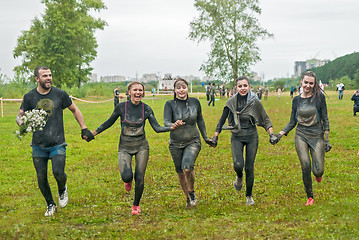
point(150, 36)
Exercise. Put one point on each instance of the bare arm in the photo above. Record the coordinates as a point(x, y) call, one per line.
point(78, 115)
point(18, 117)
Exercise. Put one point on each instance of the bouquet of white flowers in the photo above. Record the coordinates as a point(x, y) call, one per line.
point(33, 120)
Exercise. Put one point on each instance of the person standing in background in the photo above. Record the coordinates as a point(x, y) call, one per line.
point(116, 96)
point(340, 89)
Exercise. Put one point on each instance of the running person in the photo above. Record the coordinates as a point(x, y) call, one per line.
point(185, 142)
point(133, 140)
point(309, 114)
point(244, 111)
point(49, 143)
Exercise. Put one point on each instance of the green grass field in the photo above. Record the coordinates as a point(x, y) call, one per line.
point(99, 207)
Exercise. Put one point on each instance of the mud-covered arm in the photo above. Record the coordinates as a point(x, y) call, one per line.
point(154, 123)
point(293, 121)
point(109, 122)
point(222, 120)
point(201, 124)
point(167, 115)
point(324, 113)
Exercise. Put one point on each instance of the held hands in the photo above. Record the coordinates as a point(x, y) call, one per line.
point(274, 138)
point(214, 141)
point(87, 135)
point(327, 146)
point(177, 124)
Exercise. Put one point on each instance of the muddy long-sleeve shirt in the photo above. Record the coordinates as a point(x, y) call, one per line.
point(311, 116)
point(133, 118)
point(190, 112)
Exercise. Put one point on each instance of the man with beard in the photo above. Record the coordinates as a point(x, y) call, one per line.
point(49, 143)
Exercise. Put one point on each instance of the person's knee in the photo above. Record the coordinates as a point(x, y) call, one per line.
point(238, 167)
point(187, 171)
point(59, 173)
point(127, 176)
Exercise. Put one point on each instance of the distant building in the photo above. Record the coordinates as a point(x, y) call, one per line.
point(117, 78)
point(302, 66)
point(93, 78)
point(167, 82)
point(208, 78)
point(148, 77)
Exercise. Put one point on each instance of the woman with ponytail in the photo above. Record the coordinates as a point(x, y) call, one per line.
point(185, 142)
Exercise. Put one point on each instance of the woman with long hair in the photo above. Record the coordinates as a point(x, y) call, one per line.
point(185, 142)
point(244, 111)
point(133, 142)
point(309, 114)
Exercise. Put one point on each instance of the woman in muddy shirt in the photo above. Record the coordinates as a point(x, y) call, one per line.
point(309, 113)
point(185, 142)
point(244, 111)
point(133, 140)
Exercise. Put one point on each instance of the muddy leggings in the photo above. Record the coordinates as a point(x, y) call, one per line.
point(237, 146)
point(124, 162)
point(58, 169)
point(314, 146)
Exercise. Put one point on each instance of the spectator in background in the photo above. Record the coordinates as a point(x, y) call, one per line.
point(116, 96)
point(340, 89)
point(266, 91)
point(355, 98)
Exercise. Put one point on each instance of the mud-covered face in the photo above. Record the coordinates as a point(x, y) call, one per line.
point(308, 84)
point(136, 93)
point(243, 87)
point(44, 79)
point(181, 90)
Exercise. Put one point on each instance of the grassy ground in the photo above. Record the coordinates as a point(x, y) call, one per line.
point(99, 207)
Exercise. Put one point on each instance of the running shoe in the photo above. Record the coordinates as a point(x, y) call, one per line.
point(250, 201)
point(63, 198)
point(128, 186)
point(188, 202)
point(51, 209)
point(193, 199)
point(135, 210)
point(310, 202)
point(238, 183)
point(319, 179)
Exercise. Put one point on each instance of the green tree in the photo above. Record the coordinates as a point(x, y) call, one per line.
point(232, 29)
point(62, 40)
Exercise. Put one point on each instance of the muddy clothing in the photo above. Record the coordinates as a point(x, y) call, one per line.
point(311, 117)
point(244, 113)
point(249, 112)
point(312, 120)
point(133, 119)
point(53, 103)
point(185, 142)
point(133, 141)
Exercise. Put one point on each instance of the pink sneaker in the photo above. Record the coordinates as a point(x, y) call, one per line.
point(128, 186)
point(135, 210)
point(310, 202)
point(319, 179)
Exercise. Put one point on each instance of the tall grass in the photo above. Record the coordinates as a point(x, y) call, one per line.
point(99, 207)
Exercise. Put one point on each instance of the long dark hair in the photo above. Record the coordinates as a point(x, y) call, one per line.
point(316, 89)
point(174, 87)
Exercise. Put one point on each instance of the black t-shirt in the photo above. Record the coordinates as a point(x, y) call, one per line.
point(53, 103)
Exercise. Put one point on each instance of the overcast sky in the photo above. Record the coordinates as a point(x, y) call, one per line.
point(151, 36)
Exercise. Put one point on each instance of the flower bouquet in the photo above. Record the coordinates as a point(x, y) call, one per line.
point(33, 120)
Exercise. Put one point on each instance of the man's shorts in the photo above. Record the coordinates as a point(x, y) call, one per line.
point(48, 152)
